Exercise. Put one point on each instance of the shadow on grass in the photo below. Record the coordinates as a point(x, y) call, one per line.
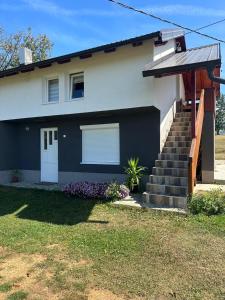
point(46, 206)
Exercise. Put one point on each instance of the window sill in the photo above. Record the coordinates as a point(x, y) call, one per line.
point(53, 102)
point(100, 163)
point(74, 99)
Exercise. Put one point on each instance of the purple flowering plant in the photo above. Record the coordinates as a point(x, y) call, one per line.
point(85, 190)
point(94, 190)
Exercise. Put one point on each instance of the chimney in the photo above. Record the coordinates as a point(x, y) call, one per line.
point(25, 56)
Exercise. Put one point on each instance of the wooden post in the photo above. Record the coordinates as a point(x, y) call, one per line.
point(193, 103)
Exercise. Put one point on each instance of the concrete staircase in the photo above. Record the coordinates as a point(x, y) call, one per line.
point(168, 184)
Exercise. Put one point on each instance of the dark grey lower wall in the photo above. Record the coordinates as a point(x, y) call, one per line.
point(139, 137)
point(8, 146)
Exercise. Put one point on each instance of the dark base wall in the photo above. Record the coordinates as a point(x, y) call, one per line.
point(8, 146)
point(139, 137)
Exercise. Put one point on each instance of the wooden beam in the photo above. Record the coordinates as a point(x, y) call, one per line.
point(84, 56)
point(109, 50)
point(63, 61)
point(47, 65)
point(137, 44)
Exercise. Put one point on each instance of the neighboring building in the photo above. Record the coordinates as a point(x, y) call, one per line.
point(81, 116)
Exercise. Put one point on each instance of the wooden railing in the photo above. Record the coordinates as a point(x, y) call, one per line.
point(195, 145)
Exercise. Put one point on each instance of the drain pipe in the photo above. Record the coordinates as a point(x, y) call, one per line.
point(214, 78)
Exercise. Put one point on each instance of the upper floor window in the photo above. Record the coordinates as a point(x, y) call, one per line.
point(53, 90)
point(76, 85)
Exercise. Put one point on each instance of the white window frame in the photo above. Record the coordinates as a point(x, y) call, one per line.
point(100, 126)
point(45, 88)
point(71, 76)
point(50, 79)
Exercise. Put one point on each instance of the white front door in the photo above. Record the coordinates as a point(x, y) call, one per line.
point(49, 154)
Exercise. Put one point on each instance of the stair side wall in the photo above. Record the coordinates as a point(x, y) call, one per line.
point(167, 112)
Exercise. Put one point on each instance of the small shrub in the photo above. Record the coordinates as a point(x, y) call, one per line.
point(135, 172)
point(117, 191)
point(209, 203)
point(86, 190)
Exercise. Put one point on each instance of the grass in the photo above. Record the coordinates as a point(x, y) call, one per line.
point(53, 247)
point(5, 287)
point(18, 296)
point(220, 147)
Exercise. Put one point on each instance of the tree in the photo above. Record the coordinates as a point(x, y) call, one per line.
point(220, 113)
point(40, 45)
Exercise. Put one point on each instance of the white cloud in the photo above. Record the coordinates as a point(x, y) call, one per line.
point(48, 7)
point(187, 10)
point(57, 10)
point(51, 8)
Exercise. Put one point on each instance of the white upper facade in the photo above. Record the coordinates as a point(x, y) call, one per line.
point(111, 81)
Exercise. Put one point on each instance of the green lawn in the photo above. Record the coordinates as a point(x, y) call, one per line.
point(220, 147)
point(53, 247)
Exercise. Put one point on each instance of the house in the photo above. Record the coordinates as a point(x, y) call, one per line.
point(81, 116)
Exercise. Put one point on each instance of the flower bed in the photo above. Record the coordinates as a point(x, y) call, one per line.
point(93, 190)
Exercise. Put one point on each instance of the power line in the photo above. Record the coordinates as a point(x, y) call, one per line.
point(206, 26)
point(165, 20)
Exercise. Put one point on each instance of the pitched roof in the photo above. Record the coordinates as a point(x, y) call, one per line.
point(163, 36)
point(200, 57)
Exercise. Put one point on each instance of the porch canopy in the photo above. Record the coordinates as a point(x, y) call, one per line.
point(199, 59)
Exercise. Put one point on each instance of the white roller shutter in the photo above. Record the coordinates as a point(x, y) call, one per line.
point(100, 144)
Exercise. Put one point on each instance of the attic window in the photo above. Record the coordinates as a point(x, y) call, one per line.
point(76, 86)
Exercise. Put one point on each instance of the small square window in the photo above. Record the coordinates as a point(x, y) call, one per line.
point(77, 86)
point(53, 90)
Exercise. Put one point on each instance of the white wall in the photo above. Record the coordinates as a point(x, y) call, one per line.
point(171, 88)
point(165, 99)
point(161, 51)
point(112, 81)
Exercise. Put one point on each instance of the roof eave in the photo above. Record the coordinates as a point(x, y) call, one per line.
point(68, 57)
point(181, 69)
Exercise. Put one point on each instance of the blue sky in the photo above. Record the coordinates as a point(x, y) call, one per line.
point(77, 24)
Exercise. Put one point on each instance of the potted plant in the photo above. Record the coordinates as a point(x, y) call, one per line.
point(135, 173)
point(15, 176)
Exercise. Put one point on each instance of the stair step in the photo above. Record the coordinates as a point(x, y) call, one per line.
point(182, 119)
point(180, 128)
point(183, 114)
point(180, 133)
point(168, 184)
point(165, 200)
point(179, 139)
point(178, 150)
point(181, 123)
point(172, 156)
point(177, 172)
point(168, 180)
point(177, 144)
point(171, 164)
point(169, 190)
